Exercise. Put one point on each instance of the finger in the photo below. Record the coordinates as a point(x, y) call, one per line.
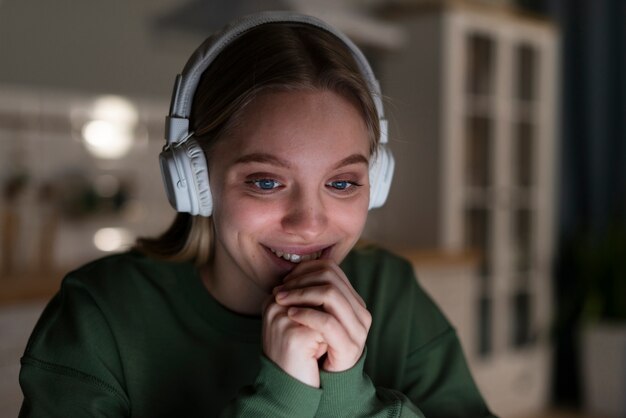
point(331, 300)
point(320, 271)
point(326, 277)
point(283, 335)
point(266, 302)
point(329, 328)
point(294, 347)
point(346, 281)
point(270, 309)
point(343, 352)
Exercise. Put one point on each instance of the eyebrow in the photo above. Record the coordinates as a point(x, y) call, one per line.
point(352, 159)
point(259, 157)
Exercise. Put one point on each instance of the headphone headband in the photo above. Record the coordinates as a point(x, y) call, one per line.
point(177, 125)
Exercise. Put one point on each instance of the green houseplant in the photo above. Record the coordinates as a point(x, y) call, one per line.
point(601, 266)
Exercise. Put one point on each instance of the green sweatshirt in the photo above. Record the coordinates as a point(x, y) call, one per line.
point(129, 335)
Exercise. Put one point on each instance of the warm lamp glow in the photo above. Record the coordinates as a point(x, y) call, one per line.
point(110, 132)
point(105, 139)
point(112, 239)
point(115, 109)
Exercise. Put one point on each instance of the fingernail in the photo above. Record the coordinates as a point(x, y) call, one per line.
point(292, 311)
point(281, 294)
point(277, 289)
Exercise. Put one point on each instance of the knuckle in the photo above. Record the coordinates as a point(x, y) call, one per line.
point(362, 339)
point(293, 333)
point(367, 319)
point(326, 321)
point(329, 273)
point(295, 336)
point(325, 262)
point(290, 333)
point(276, 316)
point(283, 321)
point(329, 291)
point(271, 309)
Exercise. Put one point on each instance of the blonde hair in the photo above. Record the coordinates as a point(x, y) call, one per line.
point(271, 57)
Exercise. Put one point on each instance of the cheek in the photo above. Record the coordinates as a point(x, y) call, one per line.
point(350, 218)
point(243, 214)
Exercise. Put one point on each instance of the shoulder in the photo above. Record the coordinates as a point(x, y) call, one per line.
point(374, 266)
point(372, 258)
point(388, 285)
point(76, 337)
point(379, 276)
point(105, 294)
point(124, 276)
point(125, 269)
point(120, 263)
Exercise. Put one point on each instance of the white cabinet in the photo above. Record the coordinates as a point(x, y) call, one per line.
point(472, 105)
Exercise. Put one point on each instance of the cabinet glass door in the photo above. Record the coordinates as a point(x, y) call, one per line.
point(524, 166)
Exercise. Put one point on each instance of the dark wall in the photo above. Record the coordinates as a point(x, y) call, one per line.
point(593, 160)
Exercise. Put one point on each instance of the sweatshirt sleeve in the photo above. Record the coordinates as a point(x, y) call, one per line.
point(439, 381)
point(275, 394)
point(453, 393)
point(352, 394)
point(70, 367)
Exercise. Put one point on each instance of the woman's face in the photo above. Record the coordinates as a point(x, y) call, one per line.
point(290, 183)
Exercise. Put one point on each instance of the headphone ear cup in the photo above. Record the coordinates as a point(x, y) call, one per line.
point(185, 174)
point(200, 176)
point(380, 174)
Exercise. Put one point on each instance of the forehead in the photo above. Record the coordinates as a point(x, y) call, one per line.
point(297, 125)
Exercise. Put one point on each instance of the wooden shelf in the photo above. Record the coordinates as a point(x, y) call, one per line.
point(25, 287)
point(443, 258)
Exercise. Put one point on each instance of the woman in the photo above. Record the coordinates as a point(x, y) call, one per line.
point(255, 302)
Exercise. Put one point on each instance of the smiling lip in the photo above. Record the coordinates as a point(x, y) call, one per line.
point(298, 255)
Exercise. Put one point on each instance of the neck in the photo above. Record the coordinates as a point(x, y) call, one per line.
point(242, 298)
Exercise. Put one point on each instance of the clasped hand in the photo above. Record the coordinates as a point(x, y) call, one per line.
point(315, 312)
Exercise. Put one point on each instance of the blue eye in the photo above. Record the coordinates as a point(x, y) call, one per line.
point(340, 185)
point(265, 184)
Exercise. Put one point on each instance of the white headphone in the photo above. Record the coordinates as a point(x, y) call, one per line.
point(183, 163)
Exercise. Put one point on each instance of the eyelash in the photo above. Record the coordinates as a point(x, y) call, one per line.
point(256, 183)
point(349, 186)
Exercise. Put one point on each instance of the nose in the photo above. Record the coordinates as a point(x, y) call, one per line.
point(305, 215)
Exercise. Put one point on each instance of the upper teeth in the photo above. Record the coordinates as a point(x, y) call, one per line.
point(297, 258)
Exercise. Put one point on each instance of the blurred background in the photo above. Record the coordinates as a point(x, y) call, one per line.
point(507, 120)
